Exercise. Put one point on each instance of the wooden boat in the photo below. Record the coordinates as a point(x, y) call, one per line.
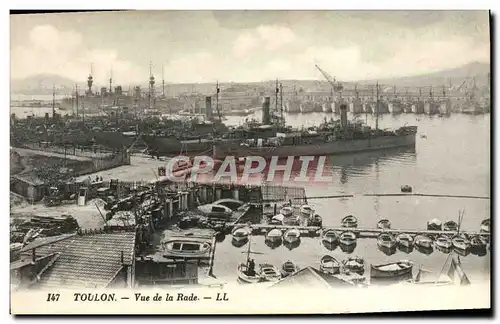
point(485, 226)
point(187, 248)
point(248, 277)
point(277, 219)
point(316, 221)
point(450, 226)
point(286, 211)
point(406, 188)
point(423, 241)
point(354, 264)
point(405, 240)
point(477, 242)
point(241, 234)
point(391, 270)
point(306, 211)
point(291, 235)
point(386, 240)
point(384, 224)
point(273, 235)
point(329, 265)
point(348, 238)
point(443, 242)
point(349, 221)
point(288, 268)
point(330, 236)
point(268, 272)
point(434, 225)
point(461, 243)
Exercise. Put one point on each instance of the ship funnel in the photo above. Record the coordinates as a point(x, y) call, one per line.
point(343, 116)
point(266, 118)
point(208, 107)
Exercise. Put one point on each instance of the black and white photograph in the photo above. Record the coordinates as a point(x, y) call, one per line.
point(216, 159)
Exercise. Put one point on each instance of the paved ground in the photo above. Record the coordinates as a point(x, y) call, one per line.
point(88, 216)
point(141, 168)
point(23, 152)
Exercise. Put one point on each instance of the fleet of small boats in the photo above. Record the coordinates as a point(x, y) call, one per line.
point(186, 248)
point(443, 242)
point(288, 268)
point(274, 235)
point(485, 226)
point(269, 272)
point(348, 238)
point(386, 240)
point(330, 236)
point(349, 221)
point(329, 265)
point(291, 235)
point(434, 225)
point(241, 234)
point(460, 242)
point(391, 270)
point(422, 241)
point(450, 226)
point(354, 264)
point(404, 240)
point(384, 224)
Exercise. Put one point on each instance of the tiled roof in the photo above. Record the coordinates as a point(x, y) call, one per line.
point(86, 261)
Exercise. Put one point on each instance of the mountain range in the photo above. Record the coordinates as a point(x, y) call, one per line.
point(44, 83)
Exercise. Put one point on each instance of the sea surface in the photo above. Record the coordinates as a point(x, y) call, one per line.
point(452, 157)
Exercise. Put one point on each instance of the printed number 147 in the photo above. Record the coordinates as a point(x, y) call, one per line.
point(52, 297)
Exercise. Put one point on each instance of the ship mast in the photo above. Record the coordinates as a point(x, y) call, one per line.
point(277, 92)
point(53, 101)
point(376, 110)
point(110, 81)
point(217, 101)
point(76, 98)
point(281, 100)
point(162, 81)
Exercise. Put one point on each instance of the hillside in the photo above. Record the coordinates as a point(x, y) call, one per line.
point(42, 84)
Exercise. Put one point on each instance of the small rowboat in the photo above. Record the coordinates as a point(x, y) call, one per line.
point(316, 221)
point(391, 270)
point(434, 225)
point(245, 276)
point(405, 240)
point(288, 268)
point(384, 224)
point(286, 211)
point(269, 272)
point(185, 248)
point(423, 241)
point(406, 188)
point(450, 226)
point(306, 211)
point(291, 235)
point(354, 264)
point(460, 243)
point(477, 242)
point(241, 234)
point(349, 221)
point(485, 226)
point(273, 235)
point(443, 242)
point(347, 238)
point(329, 265)
point(330, 236)
point(386, 240)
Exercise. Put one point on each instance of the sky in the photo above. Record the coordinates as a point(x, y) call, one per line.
point(239, 46)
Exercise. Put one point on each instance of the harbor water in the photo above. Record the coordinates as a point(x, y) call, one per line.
point(451, 157)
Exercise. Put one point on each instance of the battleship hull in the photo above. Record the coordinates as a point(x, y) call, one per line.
point(221, 150)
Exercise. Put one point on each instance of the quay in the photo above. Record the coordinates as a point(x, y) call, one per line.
point(314, 231)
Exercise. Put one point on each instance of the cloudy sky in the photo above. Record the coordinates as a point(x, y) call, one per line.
point(204, 46)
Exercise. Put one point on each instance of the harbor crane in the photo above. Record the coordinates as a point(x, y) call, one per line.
point(336, 86)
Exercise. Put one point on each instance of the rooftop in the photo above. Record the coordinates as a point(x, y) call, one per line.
point(86, 261)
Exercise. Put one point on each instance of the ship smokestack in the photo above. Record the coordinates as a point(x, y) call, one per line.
point(266, 118)
point(343, 116)
point(208, 107)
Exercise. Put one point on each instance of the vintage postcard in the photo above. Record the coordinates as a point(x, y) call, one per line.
point(249, 162)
